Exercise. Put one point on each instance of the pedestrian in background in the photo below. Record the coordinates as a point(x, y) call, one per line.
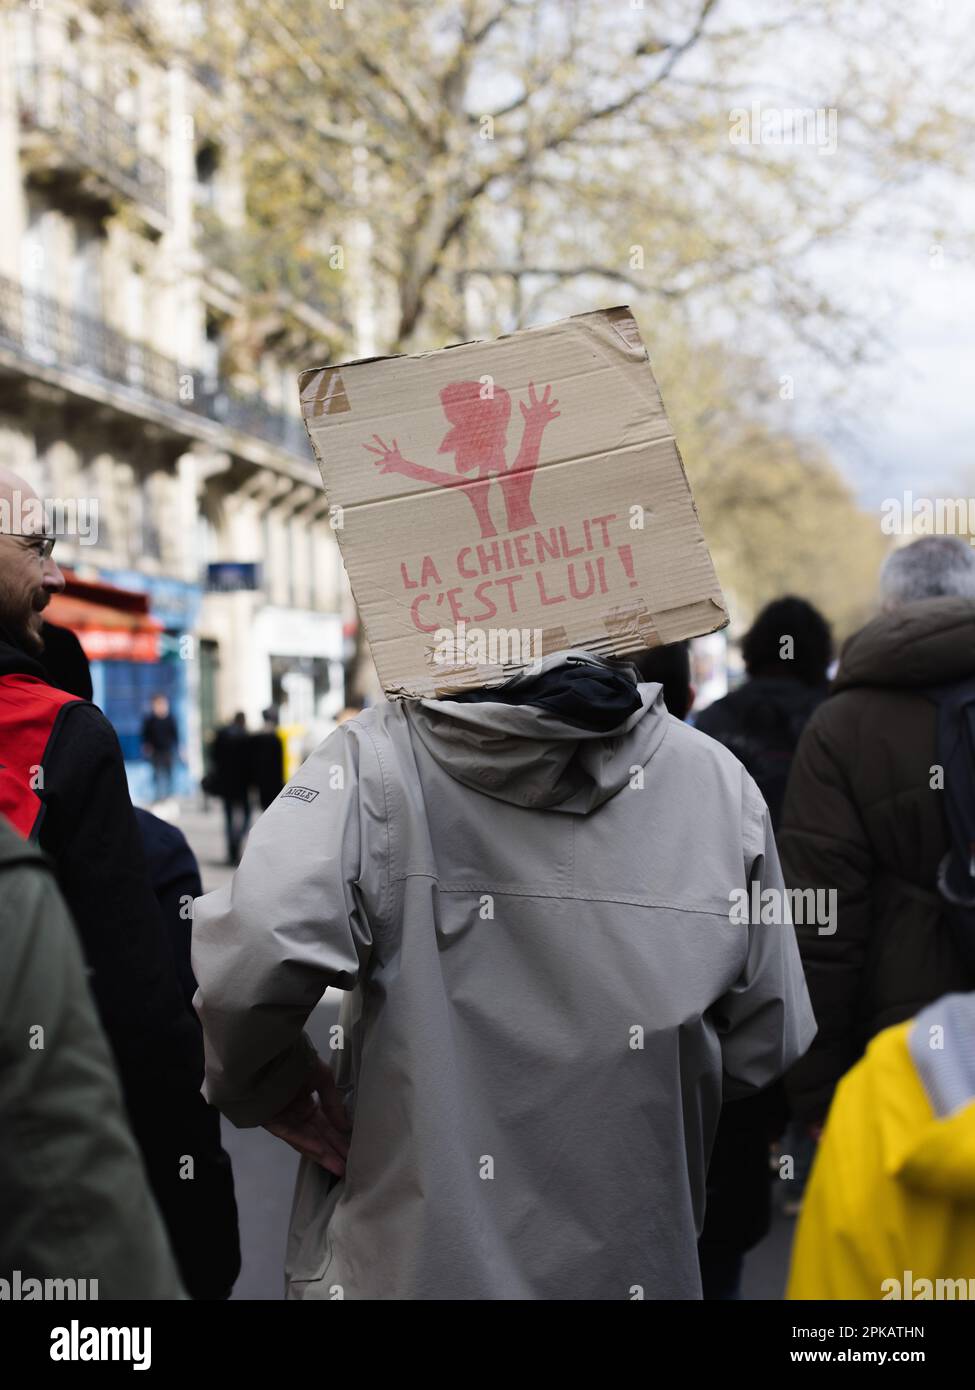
point(160, 743)
point(787, 652)
point(267, 759)
point(231, 781)
point(866, 815)
point(670, 667)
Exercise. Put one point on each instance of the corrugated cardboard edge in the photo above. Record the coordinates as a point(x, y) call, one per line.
point(613, 314)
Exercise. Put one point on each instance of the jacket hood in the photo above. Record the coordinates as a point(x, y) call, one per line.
point(529, 757)
point(926, 1100)
point(925, 643)
point(15, 661)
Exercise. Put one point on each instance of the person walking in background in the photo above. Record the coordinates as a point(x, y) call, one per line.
point(787, 652)
point(670, 667)
point(267, 759)
point(160, 742)
point(865, 815)
point(73, 1190)
point(231, 780)
point(528, 889)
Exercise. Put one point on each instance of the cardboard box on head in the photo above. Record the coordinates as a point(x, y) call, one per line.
point(498, 501)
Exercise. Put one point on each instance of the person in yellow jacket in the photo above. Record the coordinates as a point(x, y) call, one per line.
point(889, 1211)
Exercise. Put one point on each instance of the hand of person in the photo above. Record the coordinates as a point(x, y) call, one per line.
point(539, 411)
point(315, 1122)
point(389, 459)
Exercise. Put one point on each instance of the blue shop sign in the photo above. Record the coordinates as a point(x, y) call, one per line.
point(232, 576)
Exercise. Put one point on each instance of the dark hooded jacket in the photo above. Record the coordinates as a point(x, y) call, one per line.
point(63, 786)
point(761, 722)
point(861, 816)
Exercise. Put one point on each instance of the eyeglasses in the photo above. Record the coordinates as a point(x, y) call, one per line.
point(42, 546)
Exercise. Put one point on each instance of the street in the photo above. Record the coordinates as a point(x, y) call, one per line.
point(265, 1168)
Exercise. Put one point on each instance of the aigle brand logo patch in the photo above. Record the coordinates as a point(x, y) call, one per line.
point(300, 793)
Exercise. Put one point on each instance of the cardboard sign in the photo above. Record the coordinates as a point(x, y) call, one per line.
point(498, 501)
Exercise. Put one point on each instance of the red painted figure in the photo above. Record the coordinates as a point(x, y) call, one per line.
point(477, 437)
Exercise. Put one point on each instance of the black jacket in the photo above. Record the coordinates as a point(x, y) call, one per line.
point(159, 733)
point(267, 766)
point(231, 760)
point(762, 722)
point(89, 829)
point(175, 878)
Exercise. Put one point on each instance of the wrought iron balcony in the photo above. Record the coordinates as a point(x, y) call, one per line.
point(41, 330)
point(91, 132)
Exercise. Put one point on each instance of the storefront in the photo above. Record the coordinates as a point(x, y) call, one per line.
point(124, 645)
point(298, 667)
point(125, 685)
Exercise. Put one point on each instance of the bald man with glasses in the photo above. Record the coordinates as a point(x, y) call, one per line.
point(63, 786)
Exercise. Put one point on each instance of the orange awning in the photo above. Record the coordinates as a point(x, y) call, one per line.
point(107, 633)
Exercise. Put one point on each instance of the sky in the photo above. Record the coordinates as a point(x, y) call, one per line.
point(917, 430)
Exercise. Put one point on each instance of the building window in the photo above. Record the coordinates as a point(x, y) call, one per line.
point(207, 172)
point(211, 354)
point(86, 269)
point(151, 518)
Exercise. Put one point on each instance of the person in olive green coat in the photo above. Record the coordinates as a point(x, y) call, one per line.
point(76, 1203)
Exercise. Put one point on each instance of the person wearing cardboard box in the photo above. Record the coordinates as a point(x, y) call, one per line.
point(544, 1006)
point(526, 875)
